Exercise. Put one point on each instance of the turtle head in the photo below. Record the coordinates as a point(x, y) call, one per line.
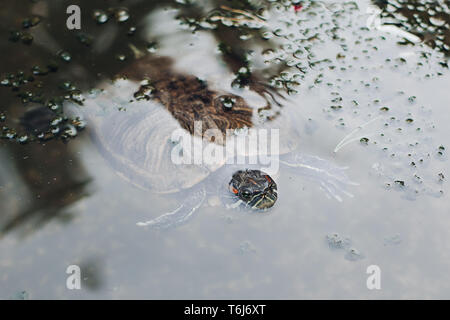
point(255, 188)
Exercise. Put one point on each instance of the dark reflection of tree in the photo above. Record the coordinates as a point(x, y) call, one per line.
point(92, 273)
point(54, 179)
point(38, 78)
point(53, 176)
point(429, 20)
point(103, 42)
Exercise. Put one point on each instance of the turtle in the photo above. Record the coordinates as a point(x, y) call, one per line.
point(254, 188)
point(132, 120)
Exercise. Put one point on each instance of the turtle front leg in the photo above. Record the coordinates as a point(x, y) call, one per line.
point(180, 215)
point(331, 178)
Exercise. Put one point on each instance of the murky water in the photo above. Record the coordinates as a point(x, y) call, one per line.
point(367, 91)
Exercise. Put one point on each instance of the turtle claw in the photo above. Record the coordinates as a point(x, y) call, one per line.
point(331, 178)
point(180, 215)
point(332, 190)
point(234, 205)
point(268, 92)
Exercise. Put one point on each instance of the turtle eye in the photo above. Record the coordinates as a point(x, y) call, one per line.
point(246, 193)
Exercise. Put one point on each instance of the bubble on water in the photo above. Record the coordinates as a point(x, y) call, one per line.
point(267, 35)
point(65, 56)
point(335, 241)
point(227, 102)
point(353, 254)
point(245, 36)
point(152, 47)
point(53, 105)
point(100, 16)
point(70, 131)
point(364, 141)
point(76, 96)
point(121, 57)
point(9, 133)
point(437, 21)
point(131, 31)
point(121, 14)
point(441, 151)
point(79, 123)
point(56, 121)
point(39, 71)
point(5, 82)
point(94, 92)
point(67, 86)
point(412, 99)
point(400, 183)
point(23, 139)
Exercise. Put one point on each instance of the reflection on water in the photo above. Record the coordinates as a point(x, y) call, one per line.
point(54, 181)
point(375, 89)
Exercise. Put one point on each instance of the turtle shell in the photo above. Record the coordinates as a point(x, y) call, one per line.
point(133, 124)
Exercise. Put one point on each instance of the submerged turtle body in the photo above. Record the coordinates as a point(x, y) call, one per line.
point(138, 137)
point(133, 121)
